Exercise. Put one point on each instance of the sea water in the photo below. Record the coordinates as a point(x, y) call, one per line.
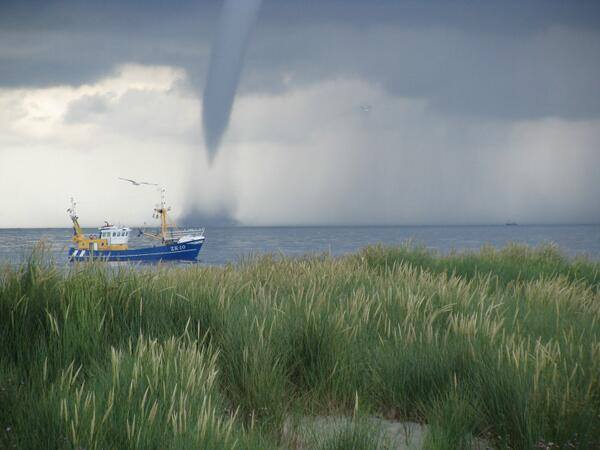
point(228, 244)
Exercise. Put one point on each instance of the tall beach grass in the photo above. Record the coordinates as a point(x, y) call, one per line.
point(502, 345)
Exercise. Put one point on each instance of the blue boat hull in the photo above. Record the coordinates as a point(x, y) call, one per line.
point(175, 252)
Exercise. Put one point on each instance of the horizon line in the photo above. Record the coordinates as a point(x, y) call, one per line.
point(549, 224)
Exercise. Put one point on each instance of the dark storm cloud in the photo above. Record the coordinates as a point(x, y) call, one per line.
point(508, 60)
point(550, 73)
point(65, 42)
point(478, 111)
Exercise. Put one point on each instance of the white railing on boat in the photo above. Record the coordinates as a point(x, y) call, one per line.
point(174, 234)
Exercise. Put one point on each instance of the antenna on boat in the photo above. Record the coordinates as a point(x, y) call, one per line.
point(160, 212)
point(71, 210)
point(163, 197)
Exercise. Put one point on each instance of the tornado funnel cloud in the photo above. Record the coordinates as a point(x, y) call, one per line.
point(226, 60)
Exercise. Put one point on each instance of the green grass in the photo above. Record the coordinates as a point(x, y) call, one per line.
point(498, 344)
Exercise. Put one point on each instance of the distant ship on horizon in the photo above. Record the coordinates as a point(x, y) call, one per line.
point(511, 224)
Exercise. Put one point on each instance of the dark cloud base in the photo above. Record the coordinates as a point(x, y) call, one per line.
point(509, 60)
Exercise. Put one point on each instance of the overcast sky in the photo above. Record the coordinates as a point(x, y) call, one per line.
point(347, 112)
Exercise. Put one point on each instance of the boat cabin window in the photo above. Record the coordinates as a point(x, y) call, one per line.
point(107, 234)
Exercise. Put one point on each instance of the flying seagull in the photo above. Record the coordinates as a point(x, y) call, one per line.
point(138, 183)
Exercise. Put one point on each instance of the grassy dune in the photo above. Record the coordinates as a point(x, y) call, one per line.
point(502, 345)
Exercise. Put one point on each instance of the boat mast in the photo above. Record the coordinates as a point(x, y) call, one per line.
point(162, 212)
point(77, 231)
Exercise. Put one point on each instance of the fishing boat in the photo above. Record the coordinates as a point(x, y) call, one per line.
point(112, 242)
